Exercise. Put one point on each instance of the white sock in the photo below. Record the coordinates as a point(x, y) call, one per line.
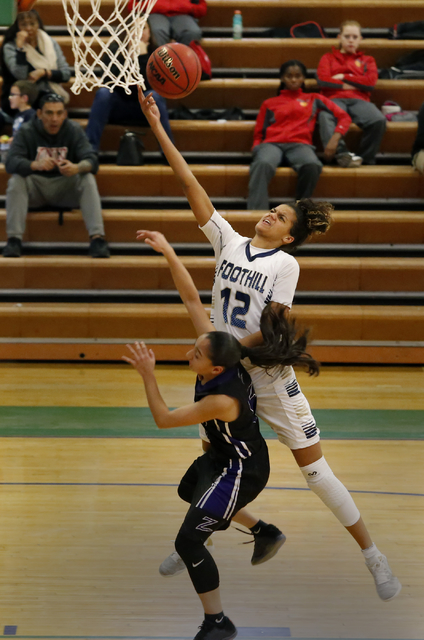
point(370, 553)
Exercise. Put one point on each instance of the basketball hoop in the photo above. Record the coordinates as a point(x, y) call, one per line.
point(93, 37)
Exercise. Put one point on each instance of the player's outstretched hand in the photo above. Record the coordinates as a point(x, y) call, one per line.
point(149, 107)
point(156, 240)
point(142, 359)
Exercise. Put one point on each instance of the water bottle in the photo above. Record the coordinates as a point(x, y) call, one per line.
point(237, 25)
point(4, 148)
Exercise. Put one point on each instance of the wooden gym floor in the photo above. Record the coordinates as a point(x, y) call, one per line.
point(89, 509)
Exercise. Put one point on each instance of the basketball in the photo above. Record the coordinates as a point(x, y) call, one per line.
point(173, 70)
point(25, 5)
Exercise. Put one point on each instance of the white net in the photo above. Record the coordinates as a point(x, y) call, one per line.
point(106, 48)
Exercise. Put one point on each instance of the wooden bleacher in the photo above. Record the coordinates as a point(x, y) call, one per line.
point(267, 53)
point(272, 13)
point(237, 135)
point(350, 227)
point(232, 181)
point(379, 331)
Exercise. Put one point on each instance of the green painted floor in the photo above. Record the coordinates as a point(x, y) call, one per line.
point(122, 422)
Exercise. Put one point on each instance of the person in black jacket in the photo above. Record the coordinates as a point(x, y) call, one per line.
point(418, 146)
point(52, 163)
point(117, 107)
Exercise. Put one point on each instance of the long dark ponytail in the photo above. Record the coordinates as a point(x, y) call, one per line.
point(283, 345)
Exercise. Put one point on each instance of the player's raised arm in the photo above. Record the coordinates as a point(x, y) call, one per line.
point(197, 197)
point(182, 280)
point(212, 407)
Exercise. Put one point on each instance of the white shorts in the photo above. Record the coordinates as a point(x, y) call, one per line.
point(282, 405)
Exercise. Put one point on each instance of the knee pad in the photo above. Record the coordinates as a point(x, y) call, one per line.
point(322, 481)
point(186, 543)
point(199, 562)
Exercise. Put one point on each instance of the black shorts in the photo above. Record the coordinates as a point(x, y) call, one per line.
point(221, 487)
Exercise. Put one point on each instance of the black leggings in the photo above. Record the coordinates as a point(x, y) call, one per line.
point(190, 544)
point(206, 478)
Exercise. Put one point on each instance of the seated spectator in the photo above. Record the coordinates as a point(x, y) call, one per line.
point(284, 130)
point(52, 163)
point(176, 20)
point(29, 53)
point(347, 77)
point(23, 94)
point(118, 107)
point(418, 147)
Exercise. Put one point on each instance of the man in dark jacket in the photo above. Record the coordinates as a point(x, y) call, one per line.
point(52, 163)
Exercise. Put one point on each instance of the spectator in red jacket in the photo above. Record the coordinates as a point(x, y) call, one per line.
point(284, 130)
point(347, 77)
point(175, 19)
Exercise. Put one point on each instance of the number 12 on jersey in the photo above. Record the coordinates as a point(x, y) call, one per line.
point(235, 320)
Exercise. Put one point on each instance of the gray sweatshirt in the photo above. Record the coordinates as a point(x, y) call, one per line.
point(32, 142)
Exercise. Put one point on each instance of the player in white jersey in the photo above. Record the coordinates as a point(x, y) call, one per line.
point(245, 279)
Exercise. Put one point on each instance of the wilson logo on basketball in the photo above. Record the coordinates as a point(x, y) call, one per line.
point(168, 62)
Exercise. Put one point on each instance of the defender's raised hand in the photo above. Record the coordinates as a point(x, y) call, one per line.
point(142, 359)
point(155, 239)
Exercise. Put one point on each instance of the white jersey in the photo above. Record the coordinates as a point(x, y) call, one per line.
point(246, 279)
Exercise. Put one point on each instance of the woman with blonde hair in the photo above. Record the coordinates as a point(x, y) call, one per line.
point(347, 76)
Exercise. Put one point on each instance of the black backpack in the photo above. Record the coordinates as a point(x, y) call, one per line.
point(307, 30)
point(130, 152)
point(408, 67)
point(408, 30)
point(302, 30)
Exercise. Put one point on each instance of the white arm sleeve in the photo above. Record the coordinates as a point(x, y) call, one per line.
point(219, 232)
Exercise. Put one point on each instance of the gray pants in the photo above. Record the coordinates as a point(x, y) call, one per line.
point(182, 28)
point(366, 116)
point(268, 156)
point(37, 191)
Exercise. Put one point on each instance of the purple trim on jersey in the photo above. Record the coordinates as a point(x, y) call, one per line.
point(238, 445)
point(259, 255)
point(221, 497)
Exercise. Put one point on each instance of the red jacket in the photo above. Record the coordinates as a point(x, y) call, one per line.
point(359, 70)
point(172, 8)
point(291, 117)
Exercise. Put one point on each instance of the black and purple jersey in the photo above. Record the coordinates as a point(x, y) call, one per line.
point(240, 438)
point(236, 467)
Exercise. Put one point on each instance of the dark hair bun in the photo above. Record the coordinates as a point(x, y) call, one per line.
point(317, 215)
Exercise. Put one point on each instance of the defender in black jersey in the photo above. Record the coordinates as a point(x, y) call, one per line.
point(235, 468)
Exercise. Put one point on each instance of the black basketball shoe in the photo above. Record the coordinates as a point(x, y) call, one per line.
point(268, 541)
point(222, 630)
